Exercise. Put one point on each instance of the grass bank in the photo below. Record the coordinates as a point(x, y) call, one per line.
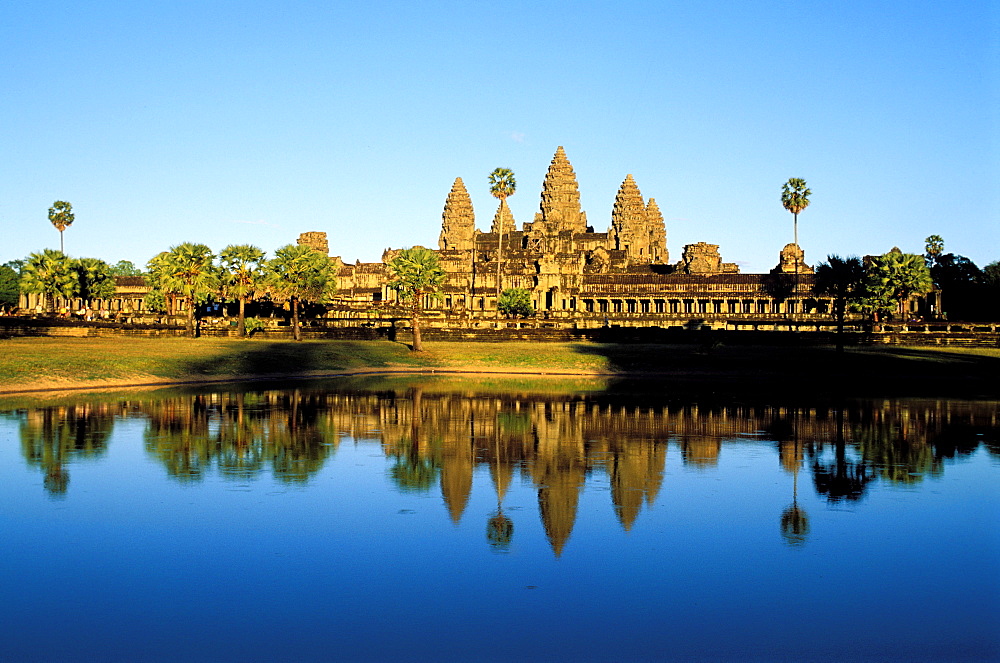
point(59, 363)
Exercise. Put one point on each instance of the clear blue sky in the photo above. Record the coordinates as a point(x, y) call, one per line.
point(251, 122)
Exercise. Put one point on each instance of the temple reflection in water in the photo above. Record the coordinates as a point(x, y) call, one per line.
point(437, 436)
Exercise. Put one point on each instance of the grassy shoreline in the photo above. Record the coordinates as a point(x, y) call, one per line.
point(34, 364)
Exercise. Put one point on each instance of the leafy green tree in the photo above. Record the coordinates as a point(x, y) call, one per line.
point(96, 280)
point(895, 276)
point(516, 302)
point(62, 217)
point(297, 274)
point(241, 276)
point(186, 271)
point(50, 274)
point(10, 284)
point(991, 274)
point(843, 280)
point(795, 198)
point(416, 274)
point(125, 268)
point(963, 287)
point(502, 186)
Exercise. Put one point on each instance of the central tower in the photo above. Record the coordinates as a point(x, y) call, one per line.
point(560, 207)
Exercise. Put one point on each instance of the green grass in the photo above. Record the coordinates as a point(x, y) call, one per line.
point(47, 363)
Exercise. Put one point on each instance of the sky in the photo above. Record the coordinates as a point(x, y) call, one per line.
point(251, 122)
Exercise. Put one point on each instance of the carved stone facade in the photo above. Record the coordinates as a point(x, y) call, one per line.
point(315, 240)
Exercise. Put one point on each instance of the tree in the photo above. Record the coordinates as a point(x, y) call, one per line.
point(963, 287)
point(795, 198)
point(416, 274)
point(241, 273)
point(991, 274)
point(50, 274)
point(186, 271)
point(125, 268)
point(895, 276)
point(62, 217)
point(502, 186)
point(934, 246)
point(842, 279)
point(95, 277)
point(10, 284)
point(516, 302)
point(296, 274)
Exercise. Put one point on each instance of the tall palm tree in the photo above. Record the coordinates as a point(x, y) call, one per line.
point(61, 215)
point(50, 274)
point(416, 274)
point(299, 273)
point(502, 186)
point(795, 198)
point(241, 272)
point(186, 271)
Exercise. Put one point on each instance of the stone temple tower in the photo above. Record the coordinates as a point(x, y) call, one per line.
point(560, 207)
point(629, 227)
point(458, 221)
point(503, 220)
point(637, 227)
point(657, 233)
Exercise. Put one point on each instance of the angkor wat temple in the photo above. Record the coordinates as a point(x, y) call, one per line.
point(581, 278)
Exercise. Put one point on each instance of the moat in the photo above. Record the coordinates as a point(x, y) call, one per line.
point(445, 519)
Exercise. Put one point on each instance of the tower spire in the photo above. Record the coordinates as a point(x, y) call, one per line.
point(458, 221)
point(560, 206)
point(629, 225)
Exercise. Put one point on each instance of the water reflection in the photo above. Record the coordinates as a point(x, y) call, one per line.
point(54, 437)
point(437, 438)
point(240, 435)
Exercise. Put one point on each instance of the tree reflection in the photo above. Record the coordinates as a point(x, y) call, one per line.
point(842, 479)
point(191, 435)
point(445, 439)
point(54, 437)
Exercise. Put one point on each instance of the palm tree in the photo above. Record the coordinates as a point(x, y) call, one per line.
point(416, 274)
point(299, 273)
point(50, 274)
point(186, 271)
point(843, 279)
point(502, 186)
point(241, 272)
point(934, 247)
point(61, 216)
point(897, 276)
point(795, 198)
point(96, 278)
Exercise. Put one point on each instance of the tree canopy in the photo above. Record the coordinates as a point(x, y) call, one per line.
point(10, 284)
point(516, 302)
point(186, 271)
point(415, 274)
point(241, 275)
point(299, 273)
point(50, 273)
point(894, 277)
point(795, 198)
point(61, 216)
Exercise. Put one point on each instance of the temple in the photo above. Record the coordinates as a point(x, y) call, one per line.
point(580, 278)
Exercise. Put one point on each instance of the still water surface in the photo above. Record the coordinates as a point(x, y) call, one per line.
point(442, 520)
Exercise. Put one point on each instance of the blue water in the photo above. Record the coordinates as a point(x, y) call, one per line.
point(360, 523)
